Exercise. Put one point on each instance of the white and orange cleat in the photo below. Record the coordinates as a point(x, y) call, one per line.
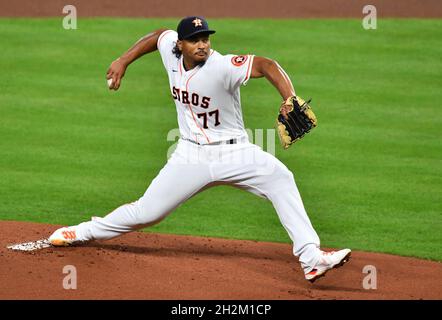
point(63, 237)
point(328, 261)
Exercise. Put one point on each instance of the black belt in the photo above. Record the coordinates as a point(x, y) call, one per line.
point(231, 141)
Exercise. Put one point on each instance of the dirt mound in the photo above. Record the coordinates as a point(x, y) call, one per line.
point(157, 266)
point(227, 8)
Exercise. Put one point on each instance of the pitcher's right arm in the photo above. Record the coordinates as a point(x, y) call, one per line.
point(143, 46)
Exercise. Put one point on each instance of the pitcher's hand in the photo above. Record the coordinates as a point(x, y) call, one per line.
point(116, 73)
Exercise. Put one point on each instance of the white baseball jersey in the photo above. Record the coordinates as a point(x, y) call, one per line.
point(207, 97)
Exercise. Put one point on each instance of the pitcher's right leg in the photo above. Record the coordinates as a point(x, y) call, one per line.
point(175, 183)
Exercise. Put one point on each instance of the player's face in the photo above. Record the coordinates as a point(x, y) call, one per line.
point(196, 49)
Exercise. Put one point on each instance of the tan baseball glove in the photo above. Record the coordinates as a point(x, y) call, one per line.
point(295, 119)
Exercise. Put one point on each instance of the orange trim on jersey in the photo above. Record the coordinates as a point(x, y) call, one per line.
point(191, 111)
point(248, 69)
point(180, 62)
point(161, 37)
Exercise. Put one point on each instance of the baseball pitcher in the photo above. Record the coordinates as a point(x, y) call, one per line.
point(213, 148)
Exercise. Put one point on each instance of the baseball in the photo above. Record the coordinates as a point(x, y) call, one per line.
point(109, 82)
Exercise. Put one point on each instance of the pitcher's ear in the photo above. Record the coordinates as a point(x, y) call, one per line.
point(179, 44)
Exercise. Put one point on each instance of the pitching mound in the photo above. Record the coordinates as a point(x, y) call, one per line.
point(156, 266)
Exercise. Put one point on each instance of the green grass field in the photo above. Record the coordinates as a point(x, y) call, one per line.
point(370, 174)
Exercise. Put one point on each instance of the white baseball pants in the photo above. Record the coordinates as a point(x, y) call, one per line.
point(193, 168)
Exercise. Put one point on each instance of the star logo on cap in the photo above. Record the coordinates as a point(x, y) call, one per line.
point(197, 22)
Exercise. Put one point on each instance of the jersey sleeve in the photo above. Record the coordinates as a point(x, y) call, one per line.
point(238, 69)
point(165, 44)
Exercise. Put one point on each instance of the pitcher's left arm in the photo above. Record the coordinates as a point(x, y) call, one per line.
point(265, 67)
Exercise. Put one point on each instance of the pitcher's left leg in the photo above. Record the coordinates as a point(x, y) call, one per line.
point(282, 191)
point(264, 175)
